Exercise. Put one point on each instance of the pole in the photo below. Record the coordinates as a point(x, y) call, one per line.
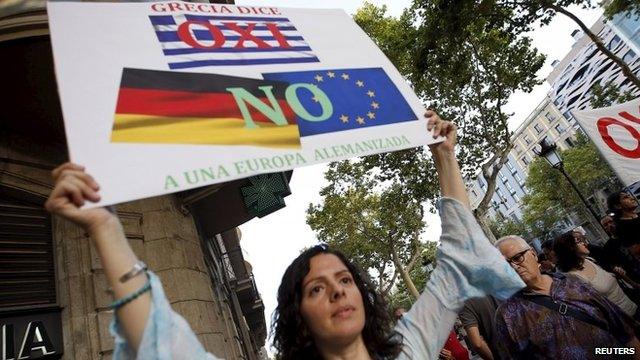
point(584, 201)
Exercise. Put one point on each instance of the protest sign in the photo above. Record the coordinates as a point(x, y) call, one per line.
point(616, 132)
point(167, 96)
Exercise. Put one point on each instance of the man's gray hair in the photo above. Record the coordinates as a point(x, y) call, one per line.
point(515, 238)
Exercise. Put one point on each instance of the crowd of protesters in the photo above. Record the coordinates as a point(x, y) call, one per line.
point(578, 297)
point(559, 304)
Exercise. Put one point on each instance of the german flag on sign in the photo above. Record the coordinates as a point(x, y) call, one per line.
point(189, 108)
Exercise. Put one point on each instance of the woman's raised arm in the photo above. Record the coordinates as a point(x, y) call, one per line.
point(444, 157)
point(73, 187)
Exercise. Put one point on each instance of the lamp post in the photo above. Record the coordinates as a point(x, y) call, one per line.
point(550, 154)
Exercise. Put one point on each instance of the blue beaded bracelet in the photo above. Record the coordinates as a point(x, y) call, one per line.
point(129, 298)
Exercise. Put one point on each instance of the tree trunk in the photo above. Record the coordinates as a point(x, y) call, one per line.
point(480, 212)
point(483, 221)
point(596, 40)
point(404, 274)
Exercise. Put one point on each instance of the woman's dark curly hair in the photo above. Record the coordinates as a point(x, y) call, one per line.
point(566, 251)
point(291, 337)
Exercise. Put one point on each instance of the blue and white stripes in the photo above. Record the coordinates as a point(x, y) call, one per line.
point(190, 41)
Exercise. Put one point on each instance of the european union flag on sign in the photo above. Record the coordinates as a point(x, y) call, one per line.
point(359, 98)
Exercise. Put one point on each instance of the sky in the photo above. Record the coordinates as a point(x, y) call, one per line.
point(270, 244)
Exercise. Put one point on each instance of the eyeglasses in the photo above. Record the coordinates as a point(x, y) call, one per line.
point(581, 240)
point(518, 258)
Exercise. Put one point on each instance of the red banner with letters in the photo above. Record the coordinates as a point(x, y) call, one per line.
point(616, 132)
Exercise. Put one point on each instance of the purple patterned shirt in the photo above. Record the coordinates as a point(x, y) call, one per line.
point(526, 330)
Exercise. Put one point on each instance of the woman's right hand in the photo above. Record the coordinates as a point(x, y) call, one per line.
point(72, 188)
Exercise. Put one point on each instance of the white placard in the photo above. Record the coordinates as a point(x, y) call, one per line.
point(168, 96)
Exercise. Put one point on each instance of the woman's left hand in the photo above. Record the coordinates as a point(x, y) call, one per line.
point(441, 128)
point(619, 271)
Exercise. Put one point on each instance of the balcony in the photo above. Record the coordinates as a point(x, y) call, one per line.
point(242, 282)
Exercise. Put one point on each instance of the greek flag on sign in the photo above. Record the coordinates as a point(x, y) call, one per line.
point(190, 41)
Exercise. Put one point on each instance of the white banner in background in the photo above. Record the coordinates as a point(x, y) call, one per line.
point(167, 96)
point(616, 132)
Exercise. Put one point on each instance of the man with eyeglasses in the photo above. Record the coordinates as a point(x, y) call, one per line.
point(556, 316)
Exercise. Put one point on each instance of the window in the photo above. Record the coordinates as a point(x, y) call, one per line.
point(475, 194)
point(26, 245)
point(502, 177)
point(500, 193)
point(525, 161)
point(569, 142)
point(550, 117)
point(527, 140)
point(559, 128)
point(614, 42)
point(516, 197)
point(510, 188)
point(539, 129)
point(519, 179)
point(573, 100)
point(545, 139)
point(630, 55)
point(510, 166)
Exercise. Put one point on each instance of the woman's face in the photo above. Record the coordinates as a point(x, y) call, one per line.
point(332, 306)
point(581, 243)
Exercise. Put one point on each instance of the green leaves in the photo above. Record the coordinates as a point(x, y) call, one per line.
point(367, 220)
point(607, 95)
point(614, 7)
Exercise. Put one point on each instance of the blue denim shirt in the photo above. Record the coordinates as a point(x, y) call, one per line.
point(467, 266)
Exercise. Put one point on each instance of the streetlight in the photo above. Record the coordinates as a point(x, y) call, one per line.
point(549, 152)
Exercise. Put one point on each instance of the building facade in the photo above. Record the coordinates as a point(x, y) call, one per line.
point(545, 122)
point(573, 78)
point(627, 27)
point(53, 298)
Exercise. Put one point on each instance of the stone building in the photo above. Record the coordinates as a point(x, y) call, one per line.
point(53, 302)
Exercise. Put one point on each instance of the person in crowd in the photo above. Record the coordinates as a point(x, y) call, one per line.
point(548, 261)
point(327, 307)
point(453, 349)
point(618, 259)
point(627, 223)
point(615, 255)
point(596, 251)
point(609, 225)
point(478, 318)
point(557, 316)
point(572, 252)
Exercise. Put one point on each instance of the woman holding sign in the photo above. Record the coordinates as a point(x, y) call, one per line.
point(327, 308)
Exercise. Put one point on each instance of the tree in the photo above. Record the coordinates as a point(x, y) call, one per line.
point(503, 227)
point(607, 95)
point(614, 7)
point(400, 296)
point(468, 81)
point(375, 224)
point(520, 16)
point(546, 201)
